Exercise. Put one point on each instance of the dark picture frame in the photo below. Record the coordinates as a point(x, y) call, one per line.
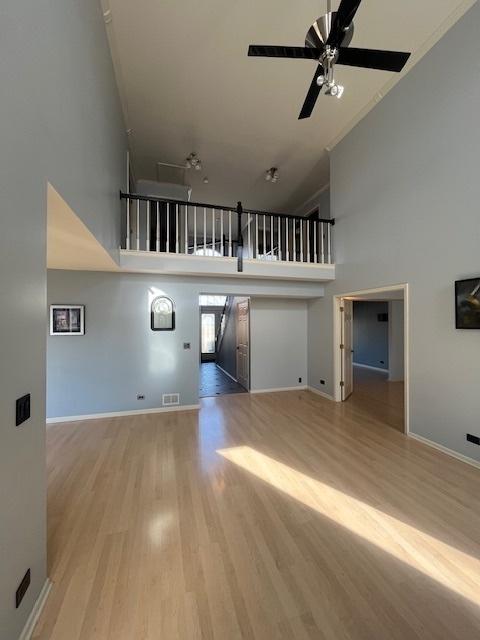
point(67, 319)
point(467, 303)
point(162, 314)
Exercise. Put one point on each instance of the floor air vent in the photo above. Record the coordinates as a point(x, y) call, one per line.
point(170, 399)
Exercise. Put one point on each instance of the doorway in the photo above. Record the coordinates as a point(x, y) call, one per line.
point(224, 345)
point(371, 353)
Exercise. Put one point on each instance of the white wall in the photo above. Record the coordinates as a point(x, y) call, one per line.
point(396, 344)
point(278, 345)
point(120, 357)
point(60, 121)
point(405, 193)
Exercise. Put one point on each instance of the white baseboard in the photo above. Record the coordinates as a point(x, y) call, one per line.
point(367, 366)
point(119, 414)
point(275, 390)
point(226, 373)
point(321, 393)
point(449, 452)
point(36, 611)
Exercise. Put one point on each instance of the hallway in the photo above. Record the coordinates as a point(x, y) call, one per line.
point(213, 382)
point(375, 396)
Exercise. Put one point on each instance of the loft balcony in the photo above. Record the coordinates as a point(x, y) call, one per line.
point(190, 238)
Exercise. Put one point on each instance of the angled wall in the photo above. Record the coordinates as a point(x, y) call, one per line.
point(60, 122)
point(405, 193)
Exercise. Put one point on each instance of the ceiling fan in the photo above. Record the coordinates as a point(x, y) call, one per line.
point(327, 42)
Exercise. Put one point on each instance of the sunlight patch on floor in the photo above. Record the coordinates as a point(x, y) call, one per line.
point(445, 564)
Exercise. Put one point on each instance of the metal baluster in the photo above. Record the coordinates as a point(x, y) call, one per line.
point(195, 230)
point(213, 232)
point(264, 238)
point(250, 249)
point(230, 234)
point(147, 240)
point(186, 229)
point(256, 236)
point(315, 231)
point(221, 232)
point(157, 239)
point(322, 243)
point(308, 241)
point(204, 231)
point(138, 225)
point(294, 240)
point(301, 240)
point(177, 230)
point(287, 239)
point(127, 244)
point(279, 238)
point(271, 238)
point(167, 242)
point(329, 244)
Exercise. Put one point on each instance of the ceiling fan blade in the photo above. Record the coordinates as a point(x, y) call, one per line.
point(267, 51)
point(312, 95)
point(373, 58)
point(345, 14)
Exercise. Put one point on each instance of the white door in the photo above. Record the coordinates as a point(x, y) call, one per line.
point(347, 347)
point(243, 343)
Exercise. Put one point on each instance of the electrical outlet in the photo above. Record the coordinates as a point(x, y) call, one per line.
point(186, 345)
point(299, 380)
point(140, 396)
point(322, 381)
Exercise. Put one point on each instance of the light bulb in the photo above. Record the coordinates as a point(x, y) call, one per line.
point(198, 166)
point(320, 80)
point(268, 176)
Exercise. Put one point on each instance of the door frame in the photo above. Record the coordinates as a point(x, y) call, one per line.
point(337, 352)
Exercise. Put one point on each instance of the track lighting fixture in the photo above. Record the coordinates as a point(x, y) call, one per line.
point(193, 162)
point(272, 175)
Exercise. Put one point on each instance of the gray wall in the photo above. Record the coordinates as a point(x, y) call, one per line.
point(278, 345)
point(120, 356)
point(320, 200)
point(405, 194)
point(396, 342)
point(60, 121)
point(370, 337)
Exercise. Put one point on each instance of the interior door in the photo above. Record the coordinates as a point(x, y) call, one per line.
point(208, 333)
point(347, 348)
point(243, 343)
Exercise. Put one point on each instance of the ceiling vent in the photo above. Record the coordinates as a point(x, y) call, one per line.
point(170, 399)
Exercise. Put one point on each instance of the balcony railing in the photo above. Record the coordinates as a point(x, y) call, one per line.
point(165, 226)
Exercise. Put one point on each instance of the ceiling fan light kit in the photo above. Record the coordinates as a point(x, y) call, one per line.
point(327, 41)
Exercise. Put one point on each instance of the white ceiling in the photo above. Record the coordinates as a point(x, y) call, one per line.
point(187, 84)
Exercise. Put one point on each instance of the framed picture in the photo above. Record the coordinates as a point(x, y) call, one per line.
point(162, 314)
point(467, 304)
point(67, 320)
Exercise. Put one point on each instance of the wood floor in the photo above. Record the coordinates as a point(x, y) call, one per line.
point(374, 396)
point(278, 516)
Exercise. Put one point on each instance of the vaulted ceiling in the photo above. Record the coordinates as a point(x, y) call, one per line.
point(187, 84)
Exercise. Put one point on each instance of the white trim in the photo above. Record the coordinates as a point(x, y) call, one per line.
point(446, 450)
point(36, 611)
point(119, 414)
point(321, 393)
point(368, 366)
point(337, 354)
point(226, 373)
point(275, 390)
